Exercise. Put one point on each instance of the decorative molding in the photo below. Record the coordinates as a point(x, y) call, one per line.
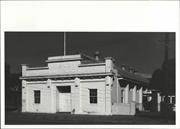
point(36, 68)
point(92, 64)
point(66, 76)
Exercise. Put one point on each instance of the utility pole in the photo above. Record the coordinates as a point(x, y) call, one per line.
point(166, 74)
point(166, 46)
point(64, 43)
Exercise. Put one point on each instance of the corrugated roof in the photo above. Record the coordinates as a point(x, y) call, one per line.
point(123, 73)
point(89, 60)
point(131, 76)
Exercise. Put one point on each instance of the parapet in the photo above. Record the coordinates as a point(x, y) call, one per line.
point(109, 58)
point(64, 58)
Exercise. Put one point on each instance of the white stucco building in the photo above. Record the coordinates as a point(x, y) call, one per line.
point(81, 85)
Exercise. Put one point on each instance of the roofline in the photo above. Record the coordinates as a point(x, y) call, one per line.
point(65, 59)
point(132, 80)
point(143, 80)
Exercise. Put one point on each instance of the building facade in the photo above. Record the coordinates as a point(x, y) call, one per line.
point(80, 84)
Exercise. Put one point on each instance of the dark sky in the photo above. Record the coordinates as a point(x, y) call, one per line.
point(142, 50)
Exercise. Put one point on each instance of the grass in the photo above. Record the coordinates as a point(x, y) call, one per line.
point(18, 118)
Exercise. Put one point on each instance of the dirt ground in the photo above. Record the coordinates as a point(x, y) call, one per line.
point(147, 118)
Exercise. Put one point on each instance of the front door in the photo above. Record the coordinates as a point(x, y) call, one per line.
point(64, 98)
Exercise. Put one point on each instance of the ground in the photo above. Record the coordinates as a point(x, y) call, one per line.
point(14, 117)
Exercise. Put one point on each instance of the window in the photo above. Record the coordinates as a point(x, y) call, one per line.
point(122, 96)
point(37, 96)
point(93, 95)
point(168, 100)
point(64, 89)
point(173, 100)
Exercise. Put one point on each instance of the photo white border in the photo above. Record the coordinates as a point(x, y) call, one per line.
point(102, 16)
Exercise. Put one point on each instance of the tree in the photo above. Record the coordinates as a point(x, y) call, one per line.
point(164, 79)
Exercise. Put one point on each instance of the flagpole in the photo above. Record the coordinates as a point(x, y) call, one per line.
point(64, 43)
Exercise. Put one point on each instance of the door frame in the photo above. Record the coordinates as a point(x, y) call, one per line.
point(58, 99)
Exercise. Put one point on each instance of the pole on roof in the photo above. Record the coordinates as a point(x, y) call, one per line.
point(64, 43)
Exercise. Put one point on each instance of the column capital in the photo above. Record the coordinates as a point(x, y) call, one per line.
point(49, 81)
point(23, 81)
point(77, 81)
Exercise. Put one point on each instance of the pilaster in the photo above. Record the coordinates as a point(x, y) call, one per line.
point(118, 88)
point(108, 104)
point(78, 96)
point(25, 98)
point(126, 99)
point(109, 64)
point(159, 101)
point(141, 95)
point(24, 67)
point(134, 94)
point(53, 96)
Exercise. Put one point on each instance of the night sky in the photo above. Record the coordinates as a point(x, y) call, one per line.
point(144, 51)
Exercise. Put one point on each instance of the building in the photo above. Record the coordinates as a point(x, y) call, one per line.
point(80, 84)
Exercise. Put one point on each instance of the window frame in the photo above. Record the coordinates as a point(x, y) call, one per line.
point(122, 95)
point(37, 96)
point(173, 100)
point(93, 96)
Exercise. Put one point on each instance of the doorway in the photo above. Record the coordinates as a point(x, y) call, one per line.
point(64, 98)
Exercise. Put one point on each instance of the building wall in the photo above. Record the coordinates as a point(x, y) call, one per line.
point(91, 69)
point(80, 103)
point(37, 72)
point(87, 107)
point(119, 92)
point(45, 95)
point(63, 68)
point(80, 96)
point(139, 99)
point(114, 91)
point(130, 97)
point(123, 109)
point(137, 96)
